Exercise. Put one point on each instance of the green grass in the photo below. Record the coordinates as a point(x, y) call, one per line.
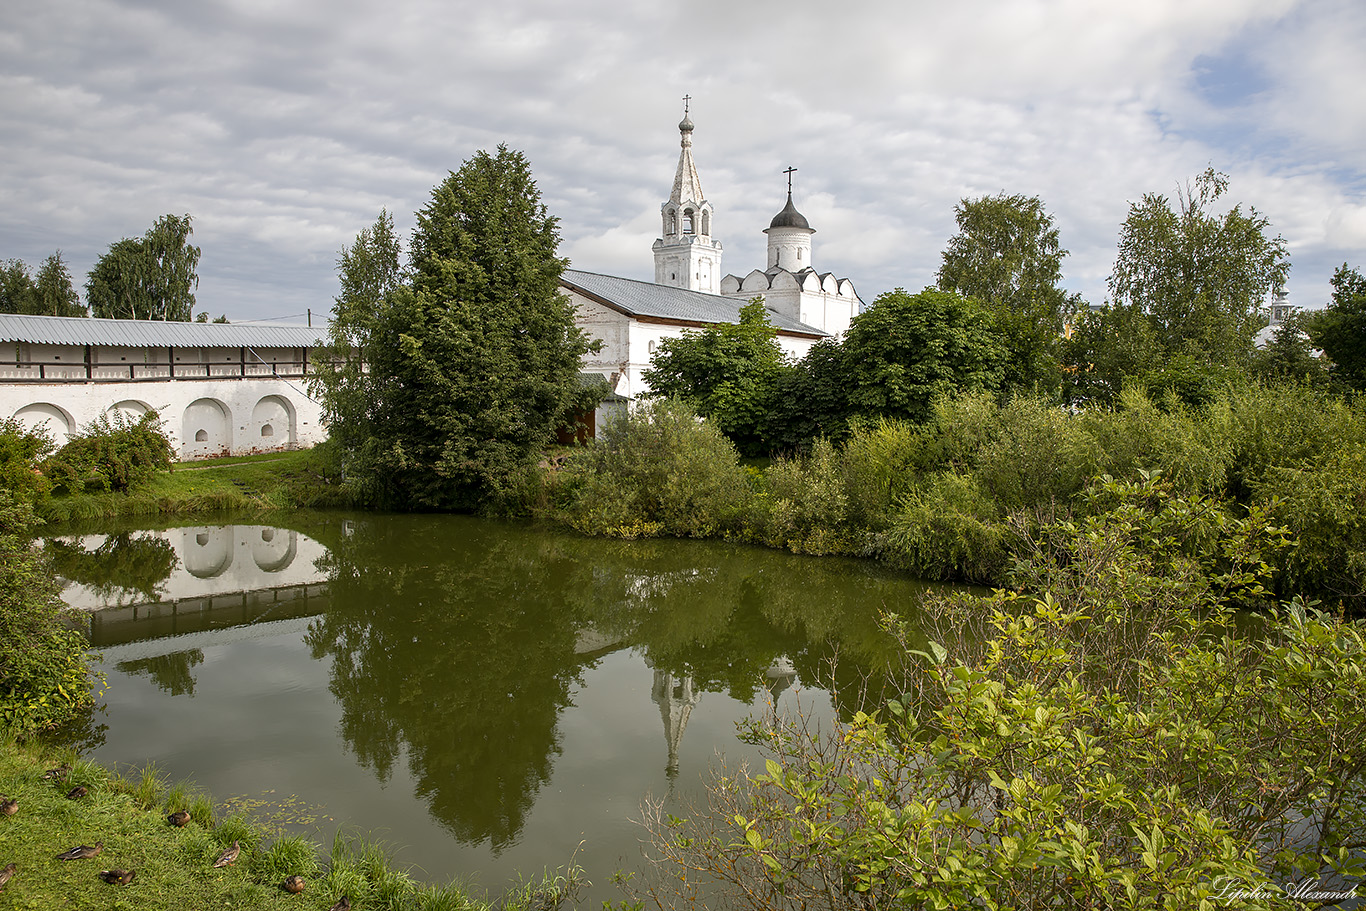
point(174, 866)
point(261, 483)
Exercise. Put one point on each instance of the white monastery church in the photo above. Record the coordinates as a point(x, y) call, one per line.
point(631, 317)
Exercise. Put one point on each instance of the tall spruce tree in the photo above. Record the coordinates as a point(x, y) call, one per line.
point(473, 359)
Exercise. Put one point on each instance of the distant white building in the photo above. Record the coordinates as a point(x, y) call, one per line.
point(632, 317)
point(1281, 310)
point(221, 389)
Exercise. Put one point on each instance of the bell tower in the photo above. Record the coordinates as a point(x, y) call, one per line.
point(686, 256)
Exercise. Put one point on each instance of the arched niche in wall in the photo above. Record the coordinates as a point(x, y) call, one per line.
point(272, 424)
point(131, 409)
point(206, 430)
point(206, 552)
point(57, 421)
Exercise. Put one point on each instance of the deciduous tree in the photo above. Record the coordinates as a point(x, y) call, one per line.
point(1199, 276)
point(53, 292)
point(152, 277)
point(727, 372)
point(369, 271)
point(16, 287)
point(1006, 253)
point(1340, 330)
point(908, 348)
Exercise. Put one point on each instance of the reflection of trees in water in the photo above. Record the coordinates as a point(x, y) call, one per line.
point(725, 615)
point(459, 644)
point(125, 561)
point(171, 673)
point(455, 641)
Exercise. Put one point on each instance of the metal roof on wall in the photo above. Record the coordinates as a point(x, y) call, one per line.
point(135, 333)
point(645, 299)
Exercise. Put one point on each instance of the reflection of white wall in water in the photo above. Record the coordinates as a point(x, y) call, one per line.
point(218, 560)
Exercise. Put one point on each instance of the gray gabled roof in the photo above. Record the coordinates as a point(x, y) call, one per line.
point(134, 333)
point(651, 301)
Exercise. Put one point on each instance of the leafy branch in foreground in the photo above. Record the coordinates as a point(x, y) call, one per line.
point(1104, 736)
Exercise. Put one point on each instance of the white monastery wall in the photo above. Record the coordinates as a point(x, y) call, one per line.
point(203, 417)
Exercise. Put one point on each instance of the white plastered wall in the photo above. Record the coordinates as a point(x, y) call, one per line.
point(241, 402)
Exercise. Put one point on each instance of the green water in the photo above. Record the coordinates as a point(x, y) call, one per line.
point(485, 697)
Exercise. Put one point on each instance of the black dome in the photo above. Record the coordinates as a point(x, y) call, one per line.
point(789, 217)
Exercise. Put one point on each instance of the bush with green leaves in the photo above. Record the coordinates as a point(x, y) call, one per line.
point(947, 527)
point(44, 681)
point(1032, 457)
point(656, 470)
point(1325, 506)
point(1140, 434)
point(804, 506)
point(1114, 739)
point(879, 463)
point(112, 452)
point(22, 450)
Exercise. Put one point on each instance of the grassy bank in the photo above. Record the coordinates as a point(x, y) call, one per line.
point(173, 867)
point(271, 481)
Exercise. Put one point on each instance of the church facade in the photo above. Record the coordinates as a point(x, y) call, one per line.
point(631, 318)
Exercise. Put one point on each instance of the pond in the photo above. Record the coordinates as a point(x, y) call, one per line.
point(484, 697)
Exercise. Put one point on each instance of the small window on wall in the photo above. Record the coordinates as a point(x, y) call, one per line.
point(651, 346)
point(201, 436)
point(267, 430)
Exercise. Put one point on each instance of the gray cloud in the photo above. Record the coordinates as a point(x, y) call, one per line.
point(284, 128)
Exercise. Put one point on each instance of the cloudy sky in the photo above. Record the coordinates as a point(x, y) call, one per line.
point(284, 127)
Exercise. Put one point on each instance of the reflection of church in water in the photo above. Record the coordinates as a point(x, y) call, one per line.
point(676, 695)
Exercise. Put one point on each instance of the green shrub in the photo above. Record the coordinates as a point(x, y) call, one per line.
point(948, 528)
point(804, 507)
point(1285, 426)
point(21, 452)
point(44, 681)
point(1034, 457)
point(880, 464)
point(1136, 435)
point(958, 428)
point(658, 470)
point(112, 452)
point(1324, 506)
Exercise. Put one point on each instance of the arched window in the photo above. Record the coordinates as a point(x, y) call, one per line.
point(267, 430)
point(687, 221)
point(201, 436)
point(673, 222)
point(706, 224)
